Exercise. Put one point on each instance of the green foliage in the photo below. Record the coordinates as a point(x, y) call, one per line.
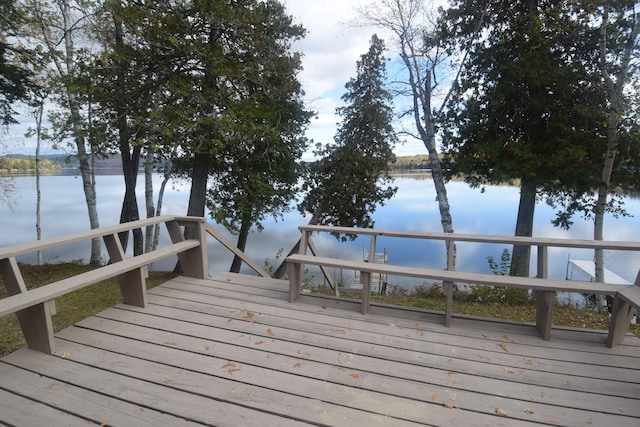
point(532, 105)
point(352, 177)
point(16, 78)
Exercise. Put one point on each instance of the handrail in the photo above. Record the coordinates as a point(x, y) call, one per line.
point(543, 243)
point(233, 248)
point(34, 307)
point(481, 238)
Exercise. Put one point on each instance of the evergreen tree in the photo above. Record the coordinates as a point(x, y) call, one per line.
point(352, 177)
point(526, 108)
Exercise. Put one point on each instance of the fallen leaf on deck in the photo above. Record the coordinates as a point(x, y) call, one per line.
point(270, 332)
point(227, 365)
point(230, 320)
point(65, 355)
point(349, 329)
point(504, 347)
point(501, 412)
point(355, 375)
point(522, 371)
point(105, 422)
point(528, 411)
point(55, 384)
point(553, 421)
point(434, 396)
point(297, 365)
point(528, 362)
point(508, 370)
point(324, 307)
point(232, 370)
point(392, 324)
point(449, 373)
point(259, 342)
point(506, 337)
point(170, 343)
point(206, 347)
point(448, 405)
point(303, 353)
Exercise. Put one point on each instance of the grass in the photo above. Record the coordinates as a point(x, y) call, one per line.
point(71, 308)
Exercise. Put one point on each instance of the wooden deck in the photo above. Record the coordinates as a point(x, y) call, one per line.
point(233, 351)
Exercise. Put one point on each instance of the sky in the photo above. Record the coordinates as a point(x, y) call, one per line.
point(331, 48)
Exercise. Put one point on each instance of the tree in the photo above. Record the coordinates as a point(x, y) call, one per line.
point(55, 26)
point(525, 108)
point(421, 55)
point(15, 75)
point(352, 178)
point(257, 171)
point(619, 31)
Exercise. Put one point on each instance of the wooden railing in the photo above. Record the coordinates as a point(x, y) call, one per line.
point(627, 296)
point(34, 307)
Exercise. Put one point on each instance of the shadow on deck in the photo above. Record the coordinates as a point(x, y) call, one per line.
point(233, 351)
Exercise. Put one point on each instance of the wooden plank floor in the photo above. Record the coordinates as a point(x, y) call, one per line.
point(232, 351)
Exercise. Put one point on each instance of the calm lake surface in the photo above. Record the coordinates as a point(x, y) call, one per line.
point(413, 208)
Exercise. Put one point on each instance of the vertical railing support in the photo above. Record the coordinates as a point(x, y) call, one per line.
point(35, 321)
point(132, 283)
point(545, 300)
point(448, 286)
point(365, 276)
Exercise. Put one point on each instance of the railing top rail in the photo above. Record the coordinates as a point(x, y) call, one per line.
point(480, 238)
point(27, 247)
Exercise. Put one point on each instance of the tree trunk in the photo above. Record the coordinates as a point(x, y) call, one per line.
point(130, 212)
point(198, 194)
point(38, 117)
point(242, 243)
point(88, 184)
point(148, 197)
point(521, 255)
point(163, 185)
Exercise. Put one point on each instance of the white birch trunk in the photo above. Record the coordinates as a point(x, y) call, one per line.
point(615, 87)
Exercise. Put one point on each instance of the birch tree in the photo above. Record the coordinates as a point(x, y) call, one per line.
point(56, 26)
point(421, 56)
point(618, 59)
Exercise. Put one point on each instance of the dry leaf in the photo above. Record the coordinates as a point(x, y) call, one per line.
point(141, 409)
point(529, 362)
point(227, 365)
point(270, 332)
point(259, 342)
point(506, 337)
point(552, 421)
point(206, 347)
point(508, 370)
point(170, 343)
point(504, 347)
point(105, 422)
point(297, 365)
point(230, 320)
point(448, 405)
point(392, 324)
point(355, 375)
point(232, 370)
point(522, 371)
point(449, 373)
point(65, 355)
point(434, 396)
point(55, 384)
point(528, 411)
point(349, 329)
point(501, 412)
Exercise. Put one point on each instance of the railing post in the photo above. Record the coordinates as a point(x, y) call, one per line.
point(365, 276)
point(448, 286)
point(545, 300)
point(35, 321)
point(132, 283)
point(194, 262)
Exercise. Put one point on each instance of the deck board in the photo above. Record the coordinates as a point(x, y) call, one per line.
point(233, 351)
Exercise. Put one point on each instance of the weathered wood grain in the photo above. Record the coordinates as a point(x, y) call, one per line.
point(233, 351)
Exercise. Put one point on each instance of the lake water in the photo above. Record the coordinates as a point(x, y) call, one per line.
point(413, 208)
